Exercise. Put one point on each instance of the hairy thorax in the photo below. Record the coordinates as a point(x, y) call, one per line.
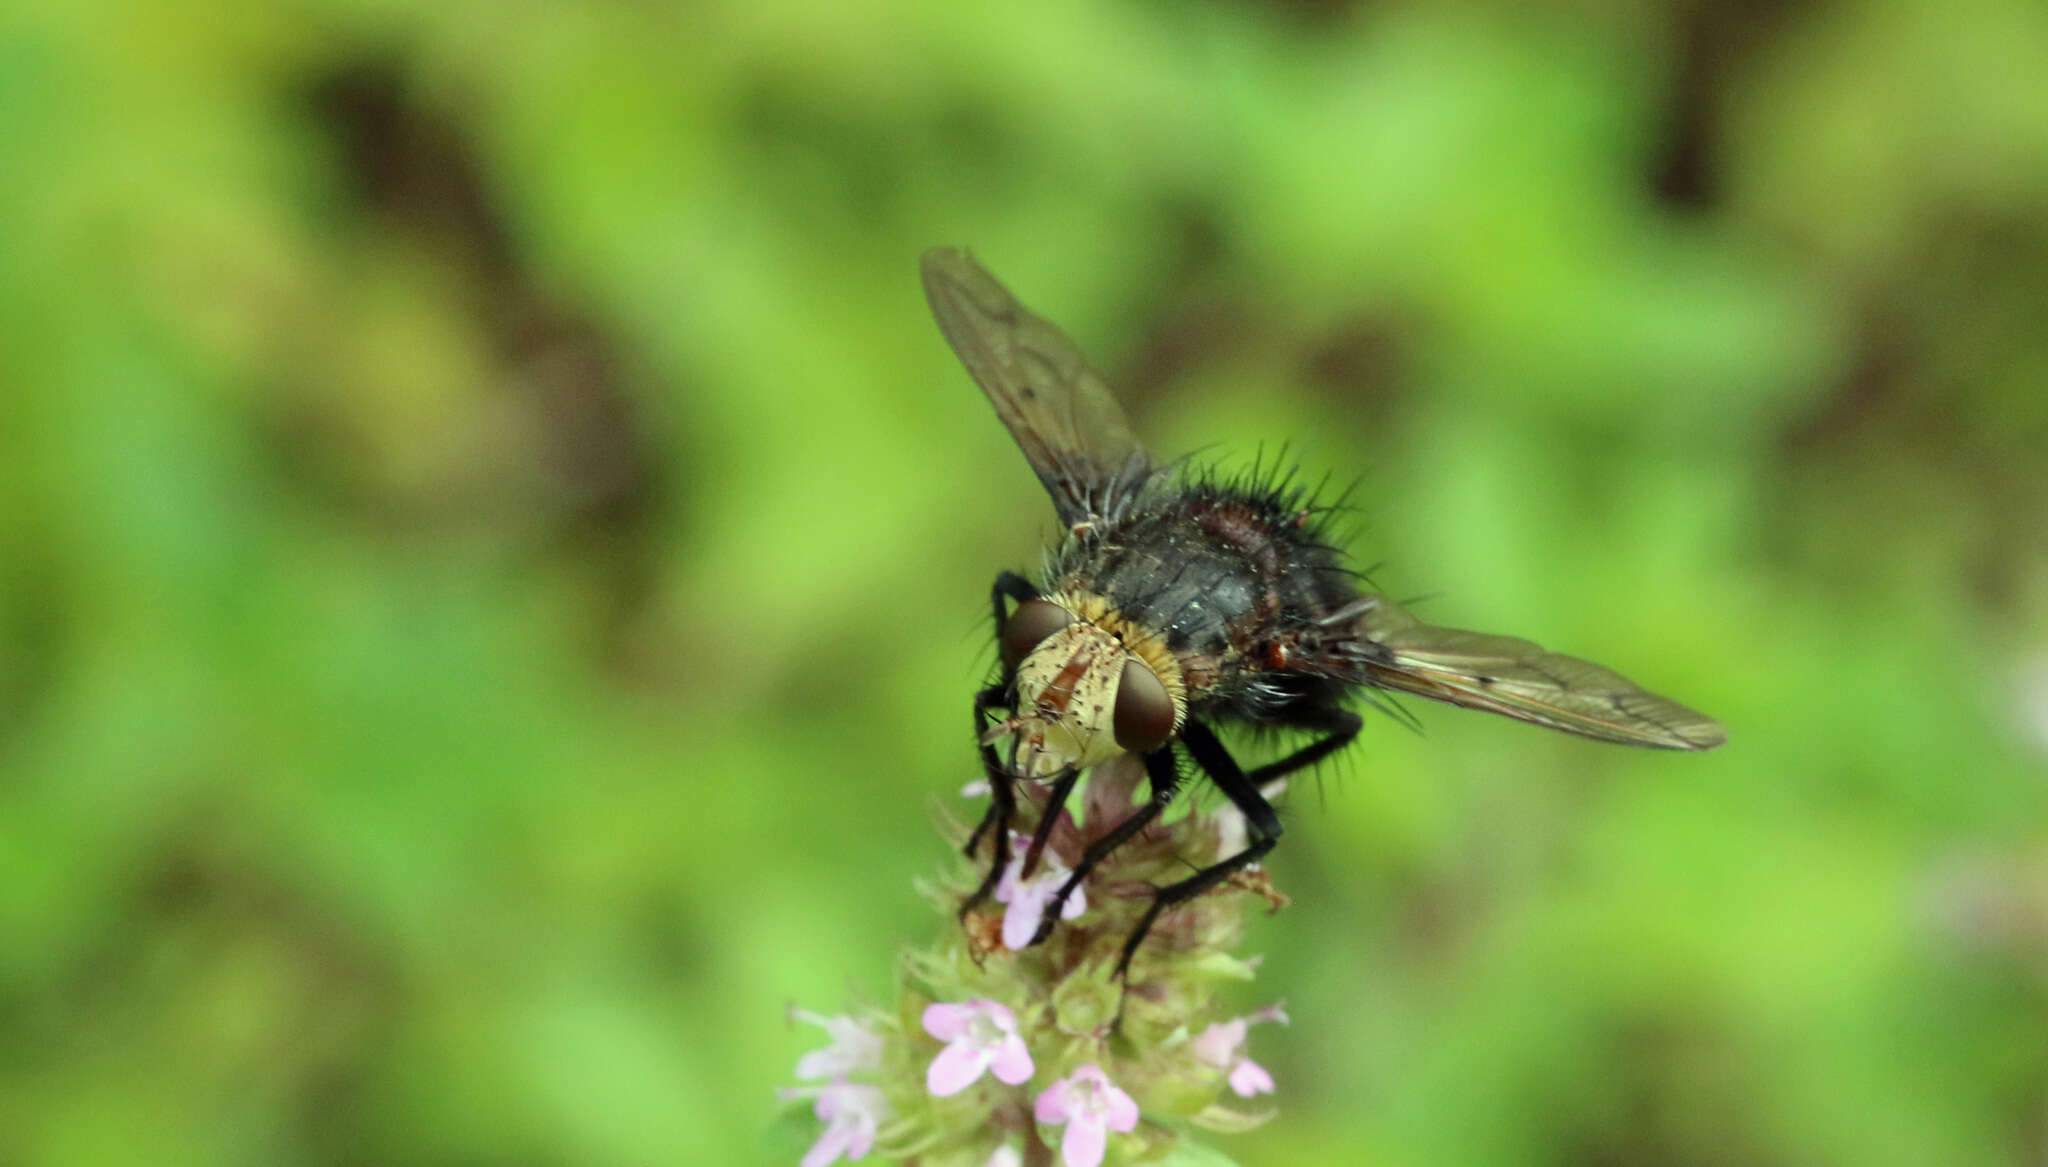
point(1232, 584)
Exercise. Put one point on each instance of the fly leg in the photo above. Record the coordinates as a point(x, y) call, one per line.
point(1016, 587)
point(1338, 725)
point(1262, 823)
point(1054, 802)
point(1002, 787)
point(1018, 590)
point(1245, 791)
point(1002, 801)
point(1165, 779)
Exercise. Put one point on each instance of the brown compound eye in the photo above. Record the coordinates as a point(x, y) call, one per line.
point(1144, 710)
point(1031, 623)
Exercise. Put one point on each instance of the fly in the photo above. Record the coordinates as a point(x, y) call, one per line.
point(1177, 601)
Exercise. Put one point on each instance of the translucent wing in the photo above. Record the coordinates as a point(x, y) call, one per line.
point(1062, 415)
point(1519, 679)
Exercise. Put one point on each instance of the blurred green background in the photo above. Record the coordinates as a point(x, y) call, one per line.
point(493, 551)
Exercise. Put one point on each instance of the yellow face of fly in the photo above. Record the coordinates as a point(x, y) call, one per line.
point(1084, 692)
point(1066, 701)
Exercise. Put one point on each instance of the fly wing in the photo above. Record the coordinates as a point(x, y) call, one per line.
point(1519, 679)
point(1059, 410)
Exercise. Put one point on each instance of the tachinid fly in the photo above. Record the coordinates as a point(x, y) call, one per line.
point(1176, 601)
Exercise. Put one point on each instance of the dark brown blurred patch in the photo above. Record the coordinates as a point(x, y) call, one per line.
point(584, 471)
point(406, 165)
point(1365, 360)
point(1873, 388)
point(1713, 43)
point(1360, 362)
point(213, 912)
point(1679, 1087)
point(1933, 430)
point(1190, 334)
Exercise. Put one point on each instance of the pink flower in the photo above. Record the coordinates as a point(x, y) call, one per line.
point(854, 1047)
point(1250, 1079)
point(850, 1113)
point(1091, 1106)
point(979, 1035)
point(1222, 1046)
point(1028, 897)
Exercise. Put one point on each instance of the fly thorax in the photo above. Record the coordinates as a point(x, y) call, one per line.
point(1066, 695)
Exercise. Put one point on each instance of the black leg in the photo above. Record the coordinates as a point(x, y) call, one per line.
point(1340, 726)
point(1002, 790)
point(1243, 793)
point(1002, 801)
point(1016, 587)
point(1055, 800)
point(1165, 778)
